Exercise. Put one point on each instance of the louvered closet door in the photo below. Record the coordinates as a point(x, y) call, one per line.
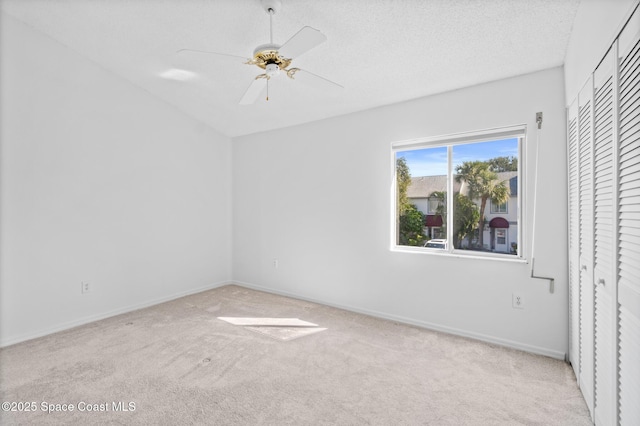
point(629, 223)
point(585, 205)
point(574, 235)
point(604, 234)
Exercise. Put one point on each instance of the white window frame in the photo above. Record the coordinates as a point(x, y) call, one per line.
point(518, 131)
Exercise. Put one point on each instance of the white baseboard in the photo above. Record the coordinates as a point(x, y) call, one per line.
point(86, 320)
point(428, 325)
point(423, 324)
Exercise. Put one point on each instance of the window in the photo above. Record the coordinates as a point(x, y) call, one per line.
point(469, 180)
point(435, 204)
point(499, 208)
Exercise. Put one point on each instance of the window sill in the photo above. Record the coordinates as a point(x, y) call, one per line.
point(459, 254)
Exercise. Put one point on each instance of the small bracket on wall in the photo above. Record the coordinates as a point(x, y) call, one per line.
point(539, 119)
point(551, 280)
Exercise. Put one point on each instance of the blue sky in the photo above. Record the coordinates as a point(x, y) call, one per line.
point(433, 161)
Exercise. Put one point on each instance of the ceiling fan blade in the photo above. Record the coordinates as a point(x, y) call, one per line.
point(302, 41)
point(233, 58)
point(256, 87)
point(313, 80)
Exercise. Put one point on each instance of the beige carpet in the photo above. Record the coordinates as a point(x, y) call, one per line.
point(176, 363)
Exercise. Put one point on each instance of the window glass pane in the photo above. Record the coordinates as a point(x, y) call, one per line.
point(485, 175)
point(421, 195)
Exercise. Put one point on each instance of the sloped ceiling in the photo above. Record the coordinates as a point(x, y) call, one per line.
point(381, 51)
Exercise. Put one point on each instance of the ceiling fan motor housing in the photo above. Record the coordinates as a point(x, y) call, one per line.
point(267, 54)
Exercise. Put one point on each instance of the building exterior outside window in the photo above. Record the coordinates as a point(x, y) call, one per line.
point(501, 224)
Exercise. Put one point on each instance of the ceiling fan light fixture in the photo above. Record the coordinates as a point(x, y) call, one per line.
point(272, 70)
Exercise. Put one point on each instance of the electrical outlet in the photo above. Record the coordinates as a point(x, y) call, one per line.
point(85, 287)
point(275, 263)
point(517, 301)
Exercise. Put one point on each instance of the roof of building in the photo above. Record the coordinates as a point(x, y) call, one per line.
point(424, 186)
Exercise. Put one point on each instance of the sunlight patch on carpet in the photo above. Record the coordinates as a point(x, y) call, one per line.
point(286, 333)
point(282, 329)
point(268, 322)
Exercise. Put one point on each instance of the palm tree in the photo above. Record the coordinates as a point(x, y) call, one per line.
point(483, 184)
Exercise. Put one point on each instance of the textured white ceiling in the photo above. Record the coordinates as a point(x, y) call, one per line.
point(381, 51)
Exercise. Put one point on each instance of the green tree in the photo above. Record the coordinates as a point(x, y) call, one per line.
point(412, 227)
point(503, 164)
point(403, 178)
point(483, 184)
point(410, 219)
point(465, 216)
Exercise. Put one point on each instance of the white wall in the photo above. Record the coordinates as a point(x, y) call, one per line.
point(316, 197)
point(100, 182)
point(596, 25)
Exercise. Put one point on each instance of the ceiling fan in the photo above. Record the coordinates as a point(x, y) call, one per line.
point(274, 58)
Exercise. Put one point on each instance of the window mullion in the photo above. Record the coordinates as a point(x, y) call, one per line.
point(450, 198)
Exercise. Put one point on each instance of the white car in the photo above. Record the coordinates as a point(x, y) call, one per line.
point(435, 243)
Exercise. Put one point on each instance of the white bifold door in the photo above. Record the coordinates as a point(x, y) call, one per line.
point(603, 243)
point(628, 156)
point(603, 126)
